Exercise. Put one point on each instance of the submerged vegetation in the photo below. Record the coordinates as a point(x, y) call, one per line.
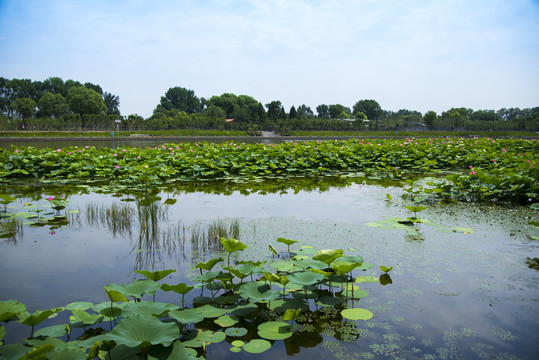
point(502, 170)
point(251, 305)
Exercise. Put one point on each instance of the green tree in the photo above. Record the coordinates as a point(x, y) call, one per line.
point(455, 117)
point(84, 101)
point(52, 105)
point(178, 98)
point(25, 107)
point(112, 102)
point(274, 108)
point(293, 114)
point(323, 111)
point(304, 112)
point(371, 108)
point(338, 111)
point(214, 111)
point(430, 118)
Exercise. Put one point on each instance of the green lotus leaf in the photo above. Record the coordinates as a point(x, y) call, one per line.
point(83, 318)
point(463, 230)
point(170, 201)
point(310, 264)
point(232, 245)
point(327, 256)
point(14, 351)
point(79, 305)
point(356, 314)
point(287, 241)
point(10, 308)
point(148, 308)
point(67, 353)
point(283, 265)
point(105, 308)
point(355, 293)
point(37, 316)
point(115, 295)
point(237, 343)
point(272, 249)
point(364, 266)
point(186, 316)
point(235, 332)
point(328, 301)
point(321, 272)
point(210, 337)
point(274, 330)
point(243, 309)
point(352, 258)
point(210, 311)
point(2, 332)
point(226, 320)
point(137, 288)
point(271, 277)
point(305, 278)
point(52, 331)
point(228, 299)
point(344, 267)
point(367, 279)
point(155, 275)
point(251, 268)
point(307, 250)
point(235, 349)
point(416, 209)
point(143, 331)
point(385, 268)
point(180, 352)
point(180, 288)
point(257, 292)
point(282, 305)
point(291, 314)
point(257, 346)
point(208, 265)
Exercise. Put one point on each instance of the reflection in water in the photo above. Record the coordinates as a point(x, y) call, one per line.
point(11, 231)
point(146, 223)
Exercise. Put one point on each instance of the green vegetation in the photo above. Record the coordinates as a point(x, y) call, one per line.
point(248, 314)
point(502, 170)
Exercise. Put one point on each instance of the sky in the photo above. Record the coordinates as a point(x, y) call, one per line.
point(417, 54)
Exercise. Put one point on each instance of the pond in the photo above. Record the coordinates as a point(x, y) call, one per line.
point(462, 285)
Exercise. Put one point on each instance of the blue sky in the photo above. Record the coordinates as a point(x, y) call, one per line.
point(418, 55)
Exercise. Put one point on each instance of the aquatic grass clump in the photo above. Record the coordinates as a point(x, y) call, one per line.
point(151, 329)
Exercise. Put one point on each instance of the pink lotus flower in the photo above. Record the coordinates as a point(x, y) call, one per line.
point(473, 172)
point(50, 198)
point(58, 150)
point(117, 166)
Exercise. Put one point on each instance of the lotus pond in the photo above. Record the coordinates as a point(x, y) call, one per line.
point(341, 265)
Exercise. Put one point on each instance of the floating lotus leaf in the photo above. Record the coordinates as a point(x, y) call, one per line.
point(186, 316)
point(10, 308)
point(105, 308)
point(82, 318)
point(287, 241)
point(155, 275)
point(226, 320)
point(16, 351)
point(67, 353)
point(367, 279)
point(357, 314)
point(235, 349)
point(310, 264)
point(137, 288)
point(257, 292)
point(327, 256)
point(227, 299)
point(198, 300)
point(251, 268)
point(283, 265)
point(235, 331)
point(232, 245)
point(52, 331)
point(352, 258)
point(281, 305)
point(305, 278)
point(237, 343)
point(257, 346)
point(302, 295)
point(307, 250)
point(210, 337)
point(210, 311)
point(354, 293)
point(79, 305)
point(328, 301)
point(180, 352)
point(274, 330)
point(243, 309)
point(142, 331)
point(208, 265)
point(148, 308)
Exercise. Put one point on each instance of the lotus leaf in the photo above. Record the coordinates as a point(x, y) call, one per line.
point(271, 277)
point(79, 305)
point(327, 256)
point(287, 241)
point(235, 349)
point(291, 314)
point(82, 318)
point(355, 293)
point(10, 308)
point(232, 245)
point(52, 331)
point(143, 331)
point(344, 267)
point(257, 292)
point(180, 352)
point(281, 305)
point(305, 278)
point(14, 351)
point(137, 288)
point(115, 295)
point(357, 314)
point(367, 279)
point(156, 275)
point(365, 266)
point(229, 299)
point(235, 331)
point(210, 311)
point(310, 264)
point(237, 343)
point(385, 268)
point(283, 265)
point(186, 316)
point(243, 309)
point(208, 265)
point(210, 337)
point(274, 330)
point(148, 308)
point(257, 346)
point(2, 332)
point(37, 316)
point(328, 301)
point(226, 320)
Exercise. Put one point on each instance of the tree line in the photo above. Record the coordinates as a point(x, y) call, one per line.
point(53, 104)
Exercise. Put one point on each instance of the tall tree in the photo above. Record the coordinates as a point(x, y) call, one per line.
point(52, 105)
point(25, 107)
point(323, 111)
point(181, 99)
point(430, 118)
point(292, 114)
point(339, 111)
point(85, 101)
point(371, 108)
point(112, 102)
point(274, 108)
point(304, 112)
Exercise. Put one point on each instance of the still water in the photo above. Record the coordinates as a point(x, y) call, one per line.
point(456, 293)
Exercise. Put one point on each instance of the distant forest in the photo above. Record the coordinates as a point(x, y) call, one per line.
point(55, 105)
